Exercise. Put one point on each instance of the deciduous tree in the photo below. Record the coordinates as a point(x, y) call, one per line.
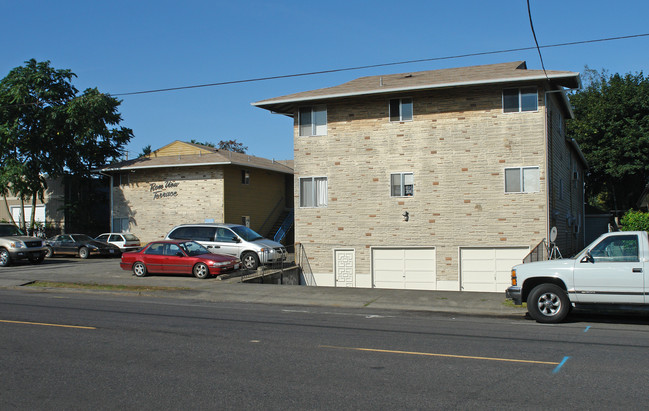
point(611, 126)
point(46, 128)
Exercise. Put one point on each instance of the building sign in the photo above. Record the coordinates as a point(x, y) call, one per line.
point(164, 190)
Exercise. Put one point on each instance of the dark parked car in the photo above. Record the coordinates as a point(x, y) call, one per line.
point(179, 256)
point(79, 244)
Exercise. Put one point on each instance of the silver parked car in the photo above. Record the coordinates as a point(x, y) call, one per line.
point(232, 239)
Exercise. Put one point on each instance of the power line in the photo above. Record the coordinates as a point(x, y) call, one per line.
point(529, 13)
point(312, 73)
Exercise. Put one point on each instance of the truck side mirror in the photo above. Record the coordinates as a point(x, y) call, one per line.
point(588, 257)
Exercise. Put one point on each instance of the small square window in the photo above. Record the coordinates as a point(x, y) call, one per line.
point(120, 225)
point(402, 184)
point(520, 99)
point(313, 192)
point(312, 121)
point(522, 180)
point(401, 109)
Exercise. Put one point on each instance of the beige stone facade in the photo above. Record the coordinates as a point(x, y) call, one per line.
point(457, 146)
point(186, 183)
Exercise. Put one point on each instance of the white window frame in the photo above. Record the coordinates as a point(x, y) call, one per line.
point(314, 199)
point(402, 184)
point(521, 95)
point(16, 213)
point(317, 120)
point(401, 101)
point(522, 178)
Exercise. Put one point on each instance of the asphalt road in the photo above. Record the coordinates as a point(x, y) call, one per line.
point(95, 351)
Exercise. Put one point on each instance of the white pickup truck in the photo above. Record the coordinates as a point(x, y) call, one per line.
point(613, 270)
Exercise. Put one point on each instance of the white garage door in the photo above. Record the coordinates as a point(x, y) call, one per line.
point(489, 269)
point(404, 268)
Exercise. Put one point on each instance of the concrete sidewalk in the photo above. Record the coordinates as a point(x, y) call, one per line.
point(487, 304)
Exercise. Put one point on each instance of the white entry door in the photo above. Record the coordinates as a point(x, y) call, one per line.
point(404, 268)
point(489, 269)
point(345, 268)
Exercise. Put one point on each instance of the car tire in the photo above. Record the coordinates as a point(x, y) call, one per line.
point(83, 253)
point(201, 271)
point(548, 303)
point(49, 252)
point(250, 260)
point(139, 269)
point(5, 259)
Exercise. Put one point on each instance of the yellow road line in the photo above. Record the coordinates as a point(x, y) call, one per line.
point(469, 357)
point(48, 325)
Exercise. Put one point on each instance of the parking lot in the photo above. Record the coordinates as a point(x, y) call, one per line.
point(92, 270)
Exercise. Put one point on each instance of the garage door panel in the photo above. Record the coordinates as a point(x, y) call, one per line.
point(404, 268)
point(388, 254)
point(479, 265)
point(489, 269)
point(478, 254)
point(420, 276)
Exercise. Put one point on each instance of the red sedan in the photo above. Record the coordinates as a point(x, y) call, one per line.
point(180, 257)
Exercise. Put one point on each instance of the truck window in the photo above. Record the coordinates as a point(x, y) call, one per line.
point(622, 248)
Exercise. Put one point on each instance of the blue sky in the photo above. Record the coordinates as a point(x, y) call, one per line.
point(127, 46)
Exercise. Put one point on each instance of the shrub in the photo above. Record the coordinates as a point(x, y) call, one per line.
point(635, 221)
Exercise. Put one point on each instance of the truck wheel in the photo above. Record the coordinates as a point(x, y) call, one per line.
point(548, 303)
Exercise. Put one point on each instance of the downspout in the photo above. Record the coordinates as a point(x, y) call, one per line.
point(548, 147)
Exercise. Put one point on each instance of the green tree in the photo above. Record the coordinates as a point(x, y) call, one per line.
point(146, 150)
point(47, 129)
point(611, 126)
point(230, 145)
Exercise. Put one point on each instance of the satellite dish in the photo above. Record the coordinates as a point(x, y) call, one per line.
point(553, 234)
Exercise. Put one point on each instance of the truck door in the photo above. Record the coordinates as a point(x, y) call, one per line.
point(613, 274)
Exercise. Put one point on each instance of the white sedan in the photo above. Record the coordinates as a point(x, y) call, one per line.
point(125, 241)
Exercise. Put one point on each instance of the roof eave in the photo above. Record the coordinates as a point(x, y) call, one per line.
point(135, 167)
point(269, 105)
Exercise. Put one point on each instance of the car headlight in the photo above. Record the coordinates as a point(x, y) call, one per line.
point(17, 244)
point(219, 264)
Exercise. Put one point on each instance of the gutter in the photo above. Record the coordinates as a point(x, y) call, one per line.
point(263, 103)
point(221, 163)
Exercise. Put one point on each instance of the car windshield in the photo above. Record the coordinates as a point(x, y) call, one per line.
point(130, 237)
point(192, 248)
point(8, 230)
point(246, 233)
point(81, 238)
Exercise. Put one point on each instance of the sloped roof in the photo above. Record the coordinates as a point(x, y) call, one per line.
point(445, 78)
point(203, 156)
